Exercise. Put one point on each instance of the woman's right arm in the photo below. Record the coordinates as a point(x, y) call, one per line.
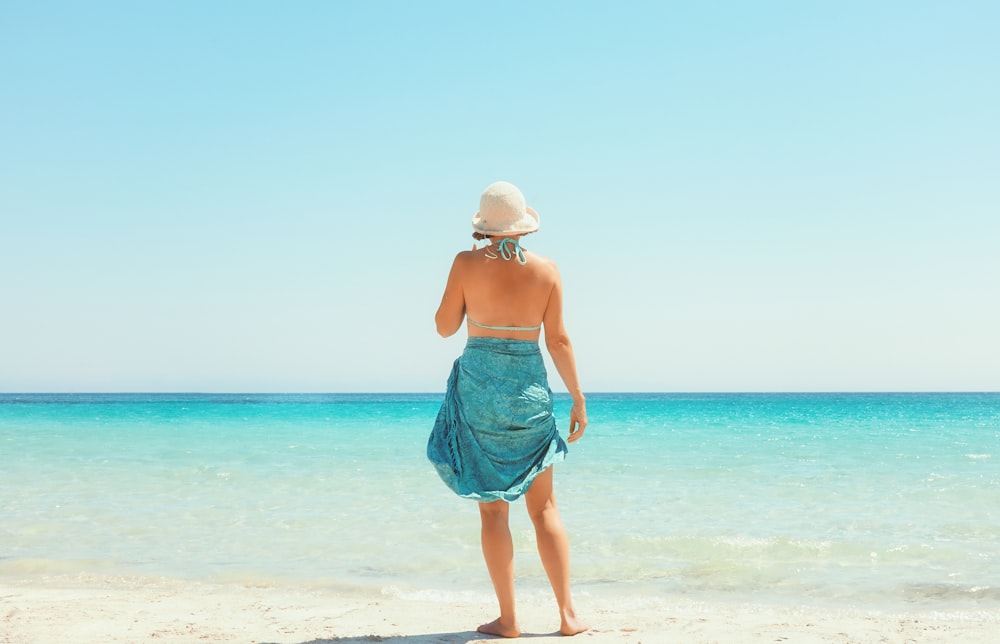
point(561, 349)
point(451, 312)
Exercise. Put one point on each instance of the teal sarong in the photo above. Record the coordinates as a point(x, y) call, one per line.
point(496, 430)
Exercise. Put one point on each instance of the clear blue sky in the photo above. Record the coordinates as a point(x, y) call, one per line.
point(266, 196)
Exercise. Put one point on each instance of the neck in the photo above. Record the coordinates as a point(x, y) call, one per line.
point(506, 248)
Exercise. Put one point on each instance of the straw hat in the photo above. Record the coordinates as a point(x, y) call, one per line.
point(502, 211)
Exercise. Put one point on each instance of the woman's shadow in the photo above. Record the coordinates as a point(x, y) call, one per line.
point(463, 637)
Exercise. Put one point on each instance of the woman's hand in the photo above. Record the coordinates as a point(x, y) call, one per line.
point(577, 421)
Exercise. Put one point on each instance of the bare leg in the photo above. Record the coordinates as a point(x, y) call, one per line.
point(498, 551)
point(553, 548)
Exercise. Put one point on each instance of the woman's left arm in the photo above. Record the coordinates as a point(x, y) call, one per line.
point(451, 312)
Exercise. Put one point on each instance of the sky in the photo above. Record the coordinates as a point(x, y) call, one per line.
point(267, 196)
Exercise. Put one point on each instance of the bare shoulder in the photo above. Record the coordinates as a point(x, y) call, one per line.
point(463, 258)
point(547, 264)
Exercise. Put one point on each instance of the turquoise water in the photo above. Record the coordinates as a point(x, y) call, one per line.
point(855, 499)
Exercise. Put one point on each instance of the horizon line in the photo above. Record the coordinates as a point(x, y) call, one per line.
point(441, 392)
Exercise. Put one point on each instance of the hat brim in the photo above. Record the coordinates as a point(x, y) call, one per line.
point(529, 223)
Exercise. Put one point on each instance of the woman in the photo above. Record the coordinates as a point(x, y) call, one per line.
point(495, 438)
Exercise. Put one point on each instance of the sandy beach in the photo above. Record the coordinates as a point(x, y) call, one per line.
point(86, 609)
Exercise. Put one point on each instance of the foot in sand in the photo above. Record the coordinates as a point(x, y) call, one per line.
point(496, 627)
point(571, 625)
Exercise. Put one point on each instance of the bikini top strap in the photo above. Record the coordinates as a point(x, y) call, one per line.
point(503, 328)
point(510, 247)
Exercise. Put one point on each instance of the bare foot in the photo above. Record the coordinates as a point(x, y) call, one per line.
point(497, 628)
point(571, 625)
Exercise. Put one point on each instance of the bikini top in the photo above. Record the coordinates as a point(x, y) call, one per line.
point(508, 248)
point(503, 328)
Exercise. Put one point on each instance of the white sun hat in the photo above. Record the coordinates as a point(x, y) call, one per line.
point(502, 211)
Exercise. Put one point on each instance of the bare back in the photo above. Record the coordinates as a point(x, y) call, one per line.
point(504, 293)
point(501, 293)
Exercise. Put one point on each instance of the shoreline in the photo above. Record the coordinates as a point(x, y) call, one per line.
point(83, 609)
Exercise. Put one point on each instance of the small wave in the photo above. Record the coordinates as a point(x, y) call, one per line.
point(945, 592)
point(978, 457)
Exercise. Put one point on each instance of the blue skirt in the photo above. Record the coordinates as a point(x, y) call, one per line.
point(496, 430)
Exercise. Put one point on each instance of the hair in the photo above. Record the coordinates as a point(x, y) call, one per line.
point(478, 236)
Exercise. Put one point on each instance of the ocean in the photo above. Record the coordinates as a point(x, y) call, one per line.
point(871, 500)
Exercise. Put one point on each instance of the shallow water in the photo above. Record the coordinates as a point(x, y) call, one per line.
point(859, 499)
